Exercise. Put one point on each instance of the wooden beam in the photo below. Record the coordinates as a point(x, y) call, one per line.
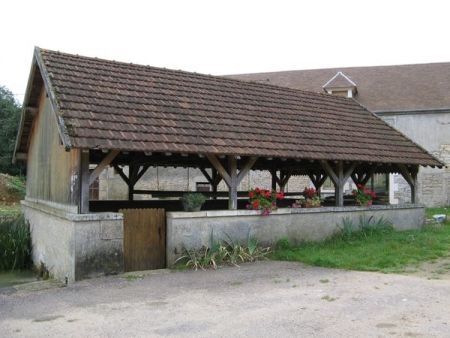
point(285, 175)
point(215, 180)
point(121, 174)
point(102, 165)
point(33, 111)
point(330, 172)
point(22, 156)
point(218, 166)
point(411, 177)
point(142, 172)
point(208, 178)
point(317, 179)
point(362, 176)
point(244, 171)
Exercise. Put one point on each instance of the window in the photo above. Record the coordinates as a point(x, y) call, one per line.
point(203, 186)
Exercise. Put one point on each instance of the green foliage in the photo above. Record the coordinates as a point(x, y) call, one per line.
point(430, 212)
point(192, 201)
point(16, 186)
point(9, 122)
point(347, 229)
point(368, 226)
point(372, 246)
point(15, 244)
point(220, 254)
point(284, 243)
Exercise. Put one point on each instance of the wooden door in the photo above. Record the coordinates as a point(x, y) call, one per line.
point(144, 239)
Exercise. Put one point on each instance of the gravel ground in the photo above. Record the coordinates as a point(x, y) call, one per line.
point(267, 299)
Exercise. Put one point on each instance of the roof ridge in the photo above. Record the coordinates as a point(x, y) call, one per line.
point(220, 78)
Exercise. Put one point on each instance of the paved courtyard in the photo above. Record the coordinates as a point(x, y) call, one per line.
point(267, 299)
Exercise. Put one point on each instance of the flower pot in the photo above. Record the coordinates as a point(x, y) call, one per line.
point(308, 205)
point(194, 208)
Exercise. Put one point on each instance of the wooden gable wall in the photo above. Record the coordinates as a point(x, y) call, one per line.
point(53, 173)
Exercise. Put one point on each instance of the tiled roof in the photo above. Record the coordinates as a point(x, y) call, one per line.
point(381, 88)
point(112, 105)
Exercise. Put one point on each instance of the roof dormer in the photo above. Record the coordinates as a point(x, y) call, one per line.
point(340, 85)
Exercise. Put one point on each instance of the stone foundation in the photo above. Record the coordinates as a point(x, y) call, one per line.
point(73, 246)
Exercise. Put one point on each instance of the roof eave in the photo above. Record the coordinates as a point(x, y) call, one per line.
point(24, 109)
point(62, 128)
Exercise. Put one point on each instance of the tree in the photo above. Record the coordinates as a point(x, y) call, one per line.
point(9, 121)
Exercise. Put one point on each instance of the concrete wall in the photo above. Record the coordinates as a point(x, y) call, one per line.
point(193, 230)
point(75, 246)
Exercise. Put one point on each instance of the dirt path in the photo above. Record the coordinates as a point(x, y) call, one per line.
point(269, 299)
point(438, 269)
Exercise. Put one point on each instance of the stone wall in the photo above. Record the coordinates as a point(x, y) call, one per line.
point(429, 129)
point(75, 246)
point(194, 230)
point(112, 187)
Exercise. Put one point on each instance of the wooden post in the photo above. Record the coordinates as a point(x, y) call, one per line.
point(273, 173)
point(231, 178)
point(84, 174)
point(339, 192)
point(362, 176)
point(214, 180)
point(318, 180)
point(232, 200)
point(339, 178)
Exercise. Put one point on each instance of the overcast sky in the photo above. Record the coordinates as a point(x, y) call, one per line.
point(224, 37)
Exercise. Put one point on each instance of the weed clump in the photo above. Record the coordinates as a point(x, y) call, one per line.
point(227, 252)
point(15, 244)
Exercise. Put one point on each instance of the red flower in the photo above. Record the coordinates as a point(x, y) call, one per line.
point(251, 194)
point(280, 195)
point(255, 203)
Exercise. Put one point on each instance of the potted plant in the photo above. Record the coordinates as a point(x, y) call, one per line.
point(310, 199)
point(263, 200)
point(192, 201)
point(363, 196)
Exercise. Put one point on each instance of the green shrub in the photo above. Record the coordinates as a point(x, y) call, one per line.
point(15, 243)
point(284, 243)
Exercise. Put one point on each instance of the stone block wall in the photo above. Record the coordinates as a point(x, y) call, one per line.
point(112, 186)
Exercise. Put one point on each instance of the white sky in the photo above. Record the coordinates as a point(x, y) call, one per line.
point(225, 37)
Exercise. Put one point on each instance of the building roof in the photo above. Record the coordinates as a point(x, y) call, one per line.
point(102, 104)
point(382, 88)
